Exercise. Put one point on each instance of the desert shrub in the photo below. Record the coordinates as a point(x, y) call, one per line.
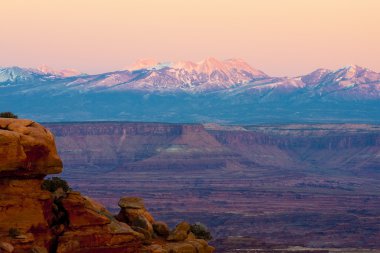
point(8, 115)
point(54, 183)
point(201, 231)
point(13, 232)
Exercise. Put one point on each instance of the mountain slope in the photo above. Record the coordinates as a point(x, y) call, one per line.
point(209, 74)
point(227, 91)
point(14, 75)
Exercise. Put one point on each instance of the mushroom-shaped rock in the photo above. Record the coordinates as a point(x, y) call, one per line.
point(133, 213)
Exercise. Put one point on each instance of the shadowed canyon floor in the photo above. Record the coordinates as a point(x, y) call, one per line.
point(307, 185)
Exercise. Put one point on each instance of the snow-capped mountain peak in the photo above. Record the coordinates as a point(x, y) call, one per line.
point(143, 64)
point(205, 66)
point(188, 66)
point(316, 76)
point(15, 74)
point(62, 73)
point(210, 65)
point(240, 64)
point(208, 74)
point(351, 71)
point(354, 75)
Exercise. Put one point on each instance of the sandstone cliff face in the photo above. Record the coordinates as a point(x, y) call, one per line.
point(27, 154)
point(36, 220)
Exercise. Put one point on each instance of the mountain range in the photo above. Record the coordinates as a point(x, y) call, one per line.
point(229, 91)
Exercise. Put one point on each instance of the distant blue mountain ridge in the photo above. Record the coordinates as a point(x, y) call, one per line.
point(225, 92)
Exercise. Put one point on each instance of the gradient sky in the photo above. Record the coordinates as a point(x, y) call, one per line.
point(280, 37)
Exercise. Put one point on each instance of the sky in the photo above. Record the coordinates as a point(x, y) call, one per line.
point(279, 37)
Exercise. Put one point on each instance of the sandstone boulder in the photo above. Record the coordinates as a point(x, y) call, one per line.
point(200, 245)
point(92, 228)
point(191, 236)
point(131, 202)
point(98, 240)
point(25, 208)
point(134, 214)
point(37, 249)
point(27, 149)
point(161, 228)
point(188, 246)
point(180, 233)
point(6, 247)
point(155, 248)
point(82, 212)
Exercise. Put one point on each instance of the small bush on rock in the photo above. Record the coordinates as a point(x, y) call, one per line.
point(14, 232)
point(8, 115)
point(201, 231)
point(54, 183)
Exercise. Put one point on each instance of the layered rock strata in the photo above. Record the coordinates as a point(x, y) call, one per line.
point(37, 220)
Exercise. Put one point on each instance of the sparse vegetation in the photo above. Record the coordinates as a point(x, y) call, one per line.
point(8, 115)
point(201, 231)
point(54, 183)
point(14, 232)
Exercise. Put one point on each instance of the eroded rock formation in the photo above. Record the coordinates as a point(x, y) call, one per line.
point(288, 182)
point(37, 220)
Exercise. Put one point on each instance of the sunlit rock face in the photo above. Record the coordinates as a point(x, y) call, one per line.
point(27, 149)
point(27, 154)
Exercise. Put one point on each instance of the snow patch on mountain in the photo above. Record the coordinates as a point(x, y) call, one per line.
point(208, 75)
point(62, 73)
point(9, 75)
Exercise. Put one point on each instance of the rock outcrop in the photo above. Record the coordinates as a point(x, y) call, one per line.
point(27, 149)
point(157, 234)
point(36, 220)
point(91, 228)
point(27, 154)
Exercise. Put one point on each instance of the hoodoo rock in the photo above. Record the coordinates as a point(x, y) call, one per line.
point(133, 213)
point(34, 219)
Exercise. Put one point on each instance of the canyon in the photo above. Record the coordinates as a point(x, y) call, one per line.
point(254, 186)
point(39, 215)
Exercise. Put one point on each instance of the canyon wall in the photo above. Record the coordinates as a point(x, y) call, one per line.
point(40, 216)
point(310, 185)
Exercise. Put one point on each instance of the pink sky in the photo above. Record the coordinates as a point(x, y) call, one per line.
point(280, 37)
